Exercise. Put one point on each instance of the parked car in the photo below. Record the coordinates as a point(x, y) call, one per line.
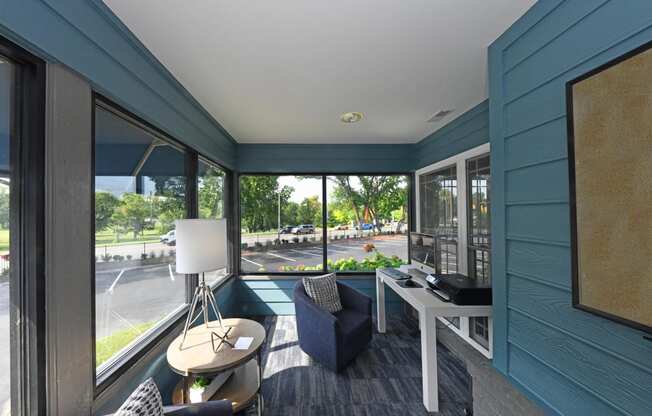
point(366, 227)
point(304, 229)
point(165, 238)
point(286, 230)
point(342, 227)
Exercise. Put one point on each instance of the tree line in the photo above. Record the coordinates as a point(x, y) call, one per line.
point(354, 200)
point(133, 213)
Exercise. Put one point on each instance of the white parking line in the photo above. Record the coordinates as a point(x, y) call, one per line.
point(115, 282)
point(269, 253)
point(305, 252)
point(252, 262)
point(345, 249)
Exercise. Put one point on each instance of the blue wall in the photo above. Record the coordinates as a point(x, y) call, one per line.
point(572, 362)
point(274, 297)
point(324, 158)
point(469, 130)
point(85, 36)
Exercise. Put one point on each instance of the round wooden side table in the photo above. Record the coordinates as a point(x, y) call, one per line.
point(197, 357)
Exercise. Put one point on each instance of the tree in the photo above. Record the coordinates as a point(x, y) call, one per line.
point(310, 211)
point(170, 201)
point(4, 207)
point(211, 194)
point(131, 214)
point(289, 214)
point(105, 205)
point(259, 198)
point(372, 198)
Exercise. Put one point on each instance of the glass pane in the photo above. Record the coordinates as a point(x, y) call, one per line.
point(210, 190)
point(281, 221)
point(367, 222)
point(140, 190)
point(479, 330)
point(438, 215)
point(479, 230)
point(6, 113)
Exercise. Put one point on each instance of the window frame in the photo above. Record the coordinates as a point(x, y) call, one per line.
point(409, 176)
point(459, 160)
point(226, 210)
point(116, 366)
point(27, 210)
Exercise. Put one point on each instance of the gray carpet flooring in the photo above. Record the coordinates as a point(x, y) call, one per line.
point(383, 380)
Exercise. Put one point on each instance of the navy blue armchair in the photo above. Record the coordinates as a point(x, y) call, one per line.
point(333, 339)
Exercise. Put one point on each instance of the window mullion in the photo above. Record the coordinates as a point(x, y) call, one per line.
point(324, 223)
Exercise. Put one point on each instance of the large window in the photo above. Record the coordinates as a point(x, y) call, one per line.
point(454, 206)
point(6, 110)
point(284, 221)
point(211, 193)
point(281, 222)
point(439, 215)
point(367, 222)
point(140, 190)
point(478, 175)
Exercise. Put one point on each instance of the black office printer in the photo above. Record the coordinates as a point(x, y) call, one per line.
point(461, 289)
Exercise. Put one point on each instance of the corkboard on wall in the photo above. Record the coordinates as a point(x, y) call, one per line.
point(610, 151)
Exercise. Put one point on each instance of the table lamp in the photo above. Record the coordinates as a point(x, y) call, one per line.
point(201, 247)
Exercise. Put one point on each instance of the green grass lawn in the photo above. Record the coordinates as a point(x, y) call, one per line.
point(107, 238)
point(106, 347)
point(4, 241)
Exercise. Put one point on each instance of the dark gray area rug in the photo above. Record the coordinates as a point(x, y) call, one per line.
point(383, 380)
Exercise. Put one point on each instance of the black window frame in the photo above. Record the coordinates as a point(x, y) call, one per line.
point(27, 235)
point(410, 179)
point(127, 358)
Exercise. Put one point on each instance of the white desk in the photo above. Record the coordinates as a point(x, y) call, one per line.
point(429, 307)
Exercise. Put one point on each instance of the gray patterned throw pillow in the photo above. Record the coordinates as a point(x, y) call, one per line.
point(323, 291)
point(144, 401)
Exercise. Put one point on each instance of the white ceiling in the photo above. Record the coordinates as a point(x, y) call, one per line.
point(283, 71)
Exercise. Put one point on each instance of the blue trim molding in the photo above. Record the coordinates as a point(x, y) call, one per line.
point(571, 362)
point(325, 158)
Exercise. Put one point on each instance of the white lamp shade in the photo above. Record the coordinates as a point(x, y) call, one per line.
point(201, 245)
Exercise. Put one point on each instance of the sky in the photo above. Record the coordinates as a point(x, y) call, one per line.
point(304, 188)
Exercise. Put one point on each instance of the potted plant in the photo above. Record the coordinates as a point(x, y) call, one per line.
point(203, 388)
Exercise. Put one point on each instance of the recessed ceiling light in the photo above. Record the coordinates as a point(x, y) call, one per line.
point(439, 115)
point(352, 117)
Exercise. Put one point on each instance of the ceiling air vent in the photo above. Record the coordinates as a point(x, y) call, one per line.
point(439, 115)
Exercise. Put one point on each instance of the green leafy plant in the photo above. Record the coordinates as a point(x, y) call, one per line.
point(200, 383)
point(368, 264)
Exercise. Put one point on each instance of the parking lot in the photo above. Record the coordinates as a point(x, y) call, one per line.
point(272, 259)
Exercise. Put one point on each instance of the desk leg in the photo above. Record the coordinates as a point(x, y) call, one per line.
point(427, 323)
point(380, 304)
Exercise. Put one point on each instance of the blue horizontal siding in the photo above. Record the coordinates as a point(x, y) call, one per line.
point(570, 361)
point(469, 130)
